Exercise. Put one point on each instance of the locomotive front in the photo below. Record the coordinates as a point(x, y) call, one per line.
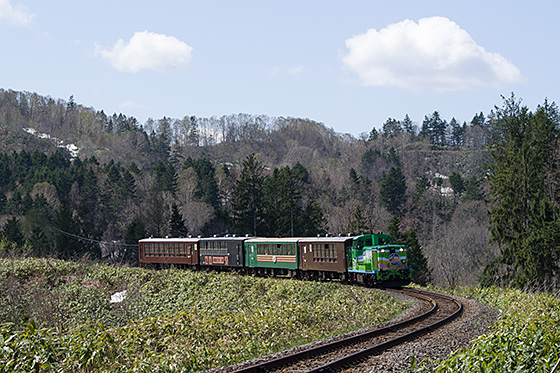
point(374, 259)
point(393, 264)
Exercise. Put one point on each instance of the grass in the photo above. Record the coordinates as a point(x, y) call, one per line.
point(57, 316)
point(525, 339)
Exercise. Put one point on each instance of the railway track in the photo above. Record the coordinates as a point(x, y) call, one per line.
point(344, 353)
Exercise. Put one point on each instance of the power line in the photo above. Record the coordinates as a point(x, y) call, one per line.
point(92, 240)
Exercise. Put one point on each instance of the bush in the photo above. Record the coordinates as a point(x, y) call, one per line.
point(169, 319)
point(526, 338)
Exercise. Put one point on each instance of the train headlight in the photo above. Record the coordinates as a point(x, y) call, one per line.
point(401, 249)
point(382, 250)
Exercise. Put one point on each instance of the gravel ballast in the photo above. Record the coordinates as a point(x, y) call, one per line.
point(475, 320)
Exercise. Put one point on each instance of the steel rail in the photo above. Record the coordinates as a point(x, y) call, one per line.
point(350, 359)
point(315, 351)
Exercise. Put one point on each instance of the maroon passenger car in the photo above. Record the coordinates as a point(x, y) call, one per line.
point(179, 251)
point(324, 257)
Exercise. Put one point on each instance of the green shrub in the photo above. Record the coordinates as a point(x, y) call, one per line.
point(525, 339)
point(170, 320)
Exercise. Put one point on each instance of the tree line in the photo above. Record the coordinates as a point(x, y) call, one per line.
point(45, 194)
point(251, 174)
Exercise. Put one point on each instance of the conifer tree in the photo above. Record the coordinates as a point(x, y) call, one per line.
point(3, 201)
point(248, 197)
point(408, 126)
point(359, 223)
point(472, 190)
point(522, 216)
point(177, 227)
point(135, 231)
point(393, 191)
point(457, 184)
point(12, 231)
point(67, 230)
point(206, 185)
point(421, 273)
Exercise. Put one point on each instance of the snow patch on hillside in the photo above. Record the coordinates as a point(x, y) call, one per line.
point(72, 149)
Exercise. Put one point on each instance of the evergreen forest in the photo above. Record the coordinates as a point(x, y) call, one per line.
point(476, 202)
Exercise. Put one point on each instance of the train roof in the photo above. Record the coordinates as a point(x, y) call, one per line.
point(326, 239)
point(169, 239)
point(250, 239)
point(273, 239)
point(223, 238)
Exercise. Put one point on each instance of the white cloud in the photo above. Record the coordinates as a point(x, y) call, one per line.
point(296, 70)
point(14, 14)
point(147, 51)
point(433, 54)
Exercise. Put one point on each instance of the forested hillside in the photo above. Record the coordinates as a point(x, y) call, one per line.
point(72, 177)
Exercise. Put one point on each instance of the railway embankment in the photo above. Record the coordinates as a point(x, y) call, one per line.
point(66, 316)
point(72, 316)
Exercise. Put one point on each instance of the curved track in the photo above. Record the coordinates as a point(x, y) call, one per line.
point(344, 353)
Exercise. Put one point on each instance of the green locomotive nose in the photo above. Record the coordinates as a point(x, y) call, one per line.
point(376, 259)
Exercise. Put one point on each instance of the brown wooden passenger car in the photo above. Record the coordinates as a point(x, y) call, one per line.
point(324, 256)
point(179, 251)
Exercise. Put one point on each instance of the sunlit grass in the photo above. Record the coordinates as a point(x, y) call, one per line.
point(57, 316)
point(525, 339)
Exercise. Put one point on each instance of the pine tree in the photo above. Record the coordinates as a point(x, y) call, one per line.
point(26, 204)
point(89, 202)
point(38, 242)
point(373, 135)
point(290, 209)
point(472, 189)
point(408, 126)
point(12, 231)
point(421, 273)
point(434, 129)
point(67, 229)
point(128, 187)
point(359, 223)
point(522, 217)
point(457, 184)
point(13, 205)
point(393, 191)
point(248, 197)
point(37, 222)
point(177, 227)
point(392, 128)
point(3, 201)
point(112, 197)
point(312, 220)
point(456, 133)
point(284, 201)
point(422, 183)
point(394, 229)
point(165, 178)
point(206, 185)
point(135, 231)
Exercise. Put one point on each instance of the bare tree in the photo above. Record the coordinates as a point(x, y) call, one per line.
point(461, 249)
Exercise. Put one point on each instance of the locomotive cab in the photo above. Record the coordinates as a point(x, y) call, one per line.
point(374, 259)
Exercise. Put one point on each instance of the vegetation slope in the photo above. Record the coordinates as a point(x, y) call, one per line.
point(58, 316)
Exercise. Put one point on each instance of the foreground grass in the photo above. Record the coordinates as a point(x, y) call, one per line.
point(525, 339)
point(57, 316)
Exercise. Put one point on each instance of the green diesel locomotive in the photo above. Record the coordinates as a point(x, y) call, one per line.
point(370, 259)
point(373, 259)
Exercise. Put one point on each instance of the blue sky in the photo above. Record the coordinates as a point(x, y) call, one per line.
point(348, 64)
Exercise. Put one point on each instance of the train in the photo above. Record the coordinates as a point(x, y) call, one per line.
point(368, 259)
